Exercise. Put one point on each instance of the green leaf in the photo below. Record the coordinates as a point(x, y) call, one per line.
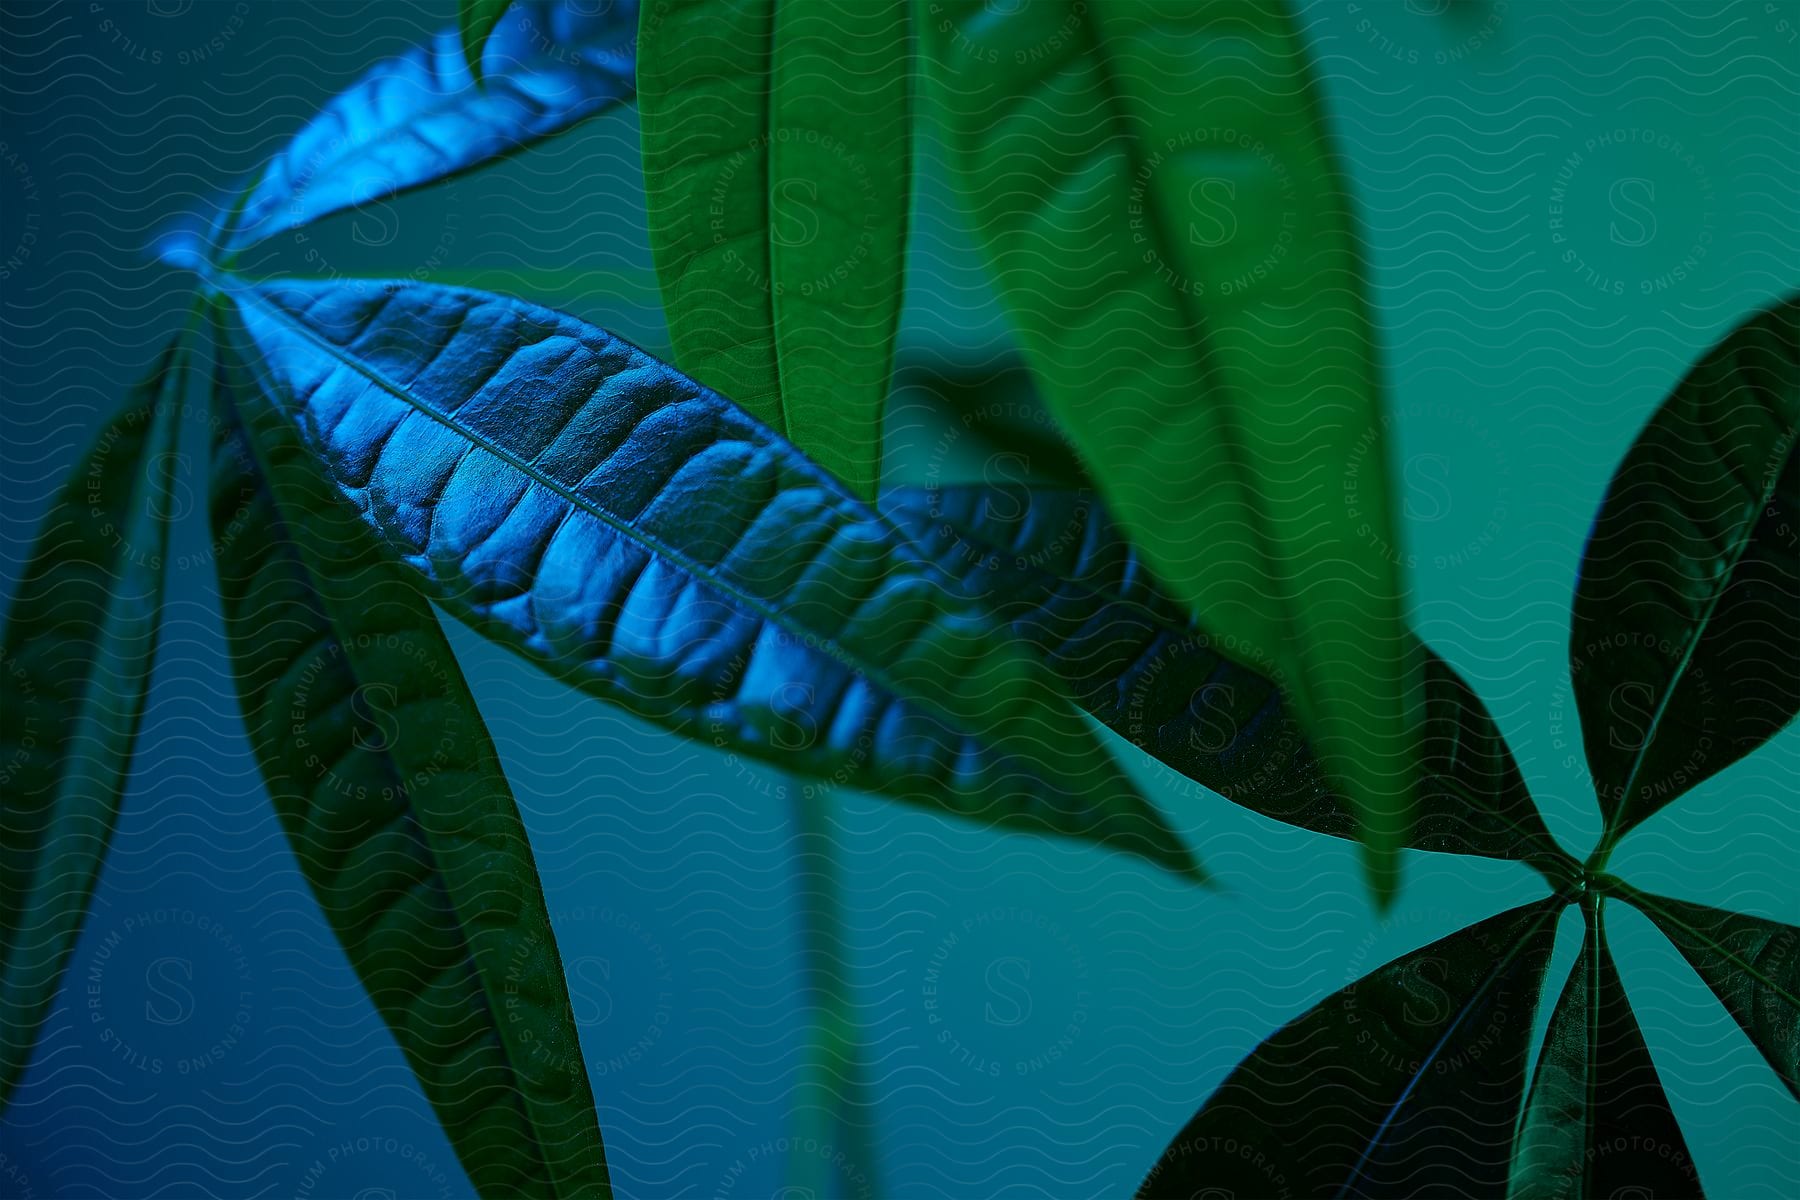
point(1684, 652)
point(777, 178)
point(75, 669)
point(1597, 1124)
point(975, 417)
point(1405, 1083)
point(1170, 234)
point(1752, 965)
point(1052, 562)
point(393, 799)
point(642, 538)
point(475, 20)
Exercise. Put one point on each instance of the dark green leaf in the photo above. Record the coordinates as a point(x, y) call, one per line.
point(1050, 561)
point(776, 173)
point(1597, 1124)
point(978, 417)
point(421, 117)
point(393, 799)
point(1405, 1083)
point(1171, 237)
point(1684, 651)
point(646, 540)
point(476, 19)
point(80, 640)
point(1752, 965)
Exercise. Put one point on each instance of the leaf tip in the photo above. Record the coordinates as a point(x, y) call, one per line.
point(476, 23)
point(1180, 861)
point(1381, 867)
point(182, 248)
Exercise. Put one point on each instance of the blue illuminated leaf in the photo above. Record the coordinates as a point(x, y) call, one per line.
point(648, 541)
point(420, 117)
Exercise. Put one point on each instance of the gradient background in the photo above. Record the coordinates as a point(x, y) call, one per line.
point(1101, 1002)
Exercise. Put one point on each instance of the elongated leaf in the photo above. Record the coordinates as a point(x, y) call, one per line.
point(421, 117)
point(393, 799)
point(776, 173)
point(80, 639)
point(1170, 235)
point(1597, 1124)
point(1052, 562)
point(1405, 1083)
point(644, 539)
point(1752, 965)
point(1684, 651)
point(475, 20)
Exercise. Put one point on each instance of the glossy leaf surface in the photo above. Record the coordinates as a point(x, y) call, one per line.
point(1752, 965)
point(1405, 1083)
point(392, 797)
point(421, 117)
point(80, 640)
point(776, 174)
point(1171, 237)
point(1052, 562)
point(1684, 652)
point(1597, 1124)
point(643, 538)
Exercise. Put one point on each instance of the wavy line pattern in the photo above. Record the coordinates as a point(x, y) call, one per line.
point(1029, 1007)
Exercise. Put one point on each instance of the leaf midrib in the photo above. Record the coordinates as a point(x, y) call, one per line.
point(1651, 903)
point(357, 669)
point(1111, 594)
point(1233, 443)
point(394, 133)
point(769, 110)
point(1618, 825)
point(774, 616)
point(1548, 910)
point(1596, 938)
point(36, 950)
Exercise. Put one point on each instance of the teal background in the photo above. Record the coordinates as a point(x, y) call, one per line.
point(1040, 1018)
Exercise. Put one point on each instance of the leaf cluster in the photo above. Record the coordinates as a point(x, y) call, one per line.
point(710, 545)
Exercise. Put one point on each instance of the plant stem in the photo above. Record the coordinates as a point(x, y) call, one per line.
point(1559, 868)
point(832, 1152)
point(1594, 916)
point(1609, 839)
